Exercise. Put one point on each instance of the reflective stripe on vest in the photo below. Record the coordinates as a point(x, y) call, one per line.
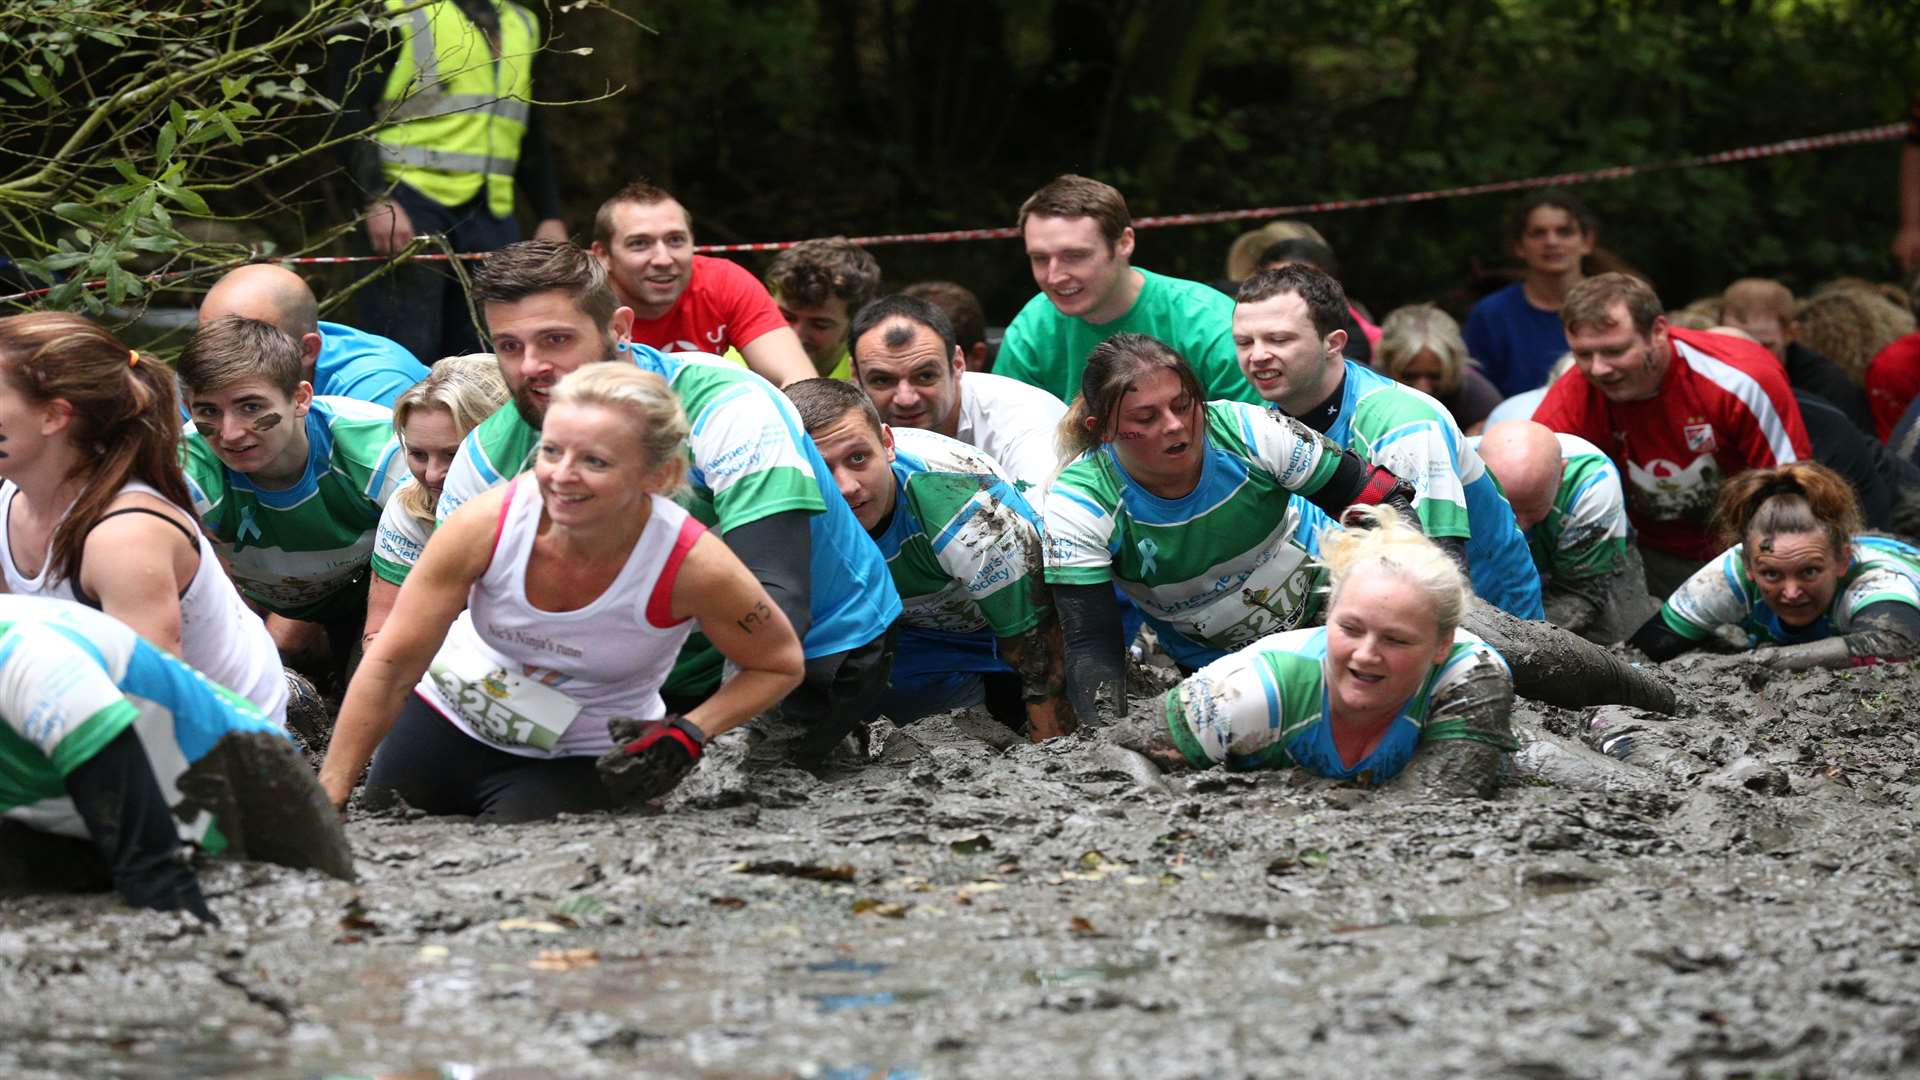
point(457, 124)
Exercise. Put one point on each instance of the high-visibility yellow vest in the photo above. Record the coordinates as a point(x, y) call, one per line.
point(464, 111)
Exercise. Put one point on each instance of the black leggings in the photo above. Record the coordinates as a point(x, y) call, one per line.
point(440, 769)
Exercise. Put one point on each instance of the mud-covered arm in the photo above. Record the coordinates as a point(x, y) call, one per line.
point(1569, 605)
point(1466, 735)
point(1889, 630)
point(1095, 655)
point(1658, 641)
point(1039, 657)
point(778, 549)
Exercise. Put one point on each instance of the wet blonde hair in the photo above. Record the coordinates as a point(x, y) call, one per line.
point(1409, 331)
point(469, 387)
point(659, 425)
point(1382, 540)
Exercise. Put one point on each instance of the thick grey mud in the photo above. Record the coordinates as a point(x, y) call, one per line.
point(1740, 903)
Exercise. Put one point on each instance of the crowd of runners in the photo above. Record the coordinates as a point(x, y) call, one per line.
point(676, 499)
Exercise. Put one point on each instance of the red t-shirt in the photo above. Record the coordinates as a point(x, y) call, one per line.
point(1893, 380)
point(724, 307)
point(1723, 409)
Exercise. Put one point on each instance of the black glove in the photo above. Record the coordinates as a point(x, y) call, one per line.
point(649, 758)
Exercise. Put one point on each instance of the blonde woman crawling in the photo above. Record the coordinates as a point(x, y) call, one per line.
point(1390, 679)
point(519, 674)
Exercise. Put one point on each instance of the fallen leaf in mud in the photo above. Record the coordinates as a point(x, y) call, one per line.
point(884, 908)
point(806, 871)
point(434, 954)
point(356, 924)
point(538, 926)
point(1080, 925)
point(731, 902)
point(579, 911)
point(1289, 860)
point(1687, 959)
point(564, 959)
point(971, 845)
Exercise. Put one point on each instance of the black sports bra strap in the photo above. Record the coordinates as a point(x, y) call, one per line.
point(193, 541)
point(193, 538)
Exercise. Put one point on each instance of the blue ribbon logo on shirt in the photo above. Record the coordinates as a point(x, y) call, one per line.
point(247, 525)
point(1148, 549)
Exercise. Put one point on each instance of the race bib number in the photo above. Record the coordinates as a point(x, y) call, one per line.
point(502, 707)
point(1272, 598)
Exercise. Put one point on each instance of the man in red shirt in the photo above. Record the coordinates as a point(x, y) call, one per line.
point(1679, 411)
point(684, 302)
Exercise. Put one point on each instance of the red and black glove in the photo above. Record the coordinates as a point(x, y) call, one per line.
point(1383, 487)
point(649, 757)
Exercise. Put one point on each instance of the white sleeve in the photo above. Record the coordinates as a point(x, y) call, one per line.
point(1078, 534)
point(1289, 449)
point(398, 541)
point(50, 687)
point(1875, 585)
point(1713, 597)
point(466, 478)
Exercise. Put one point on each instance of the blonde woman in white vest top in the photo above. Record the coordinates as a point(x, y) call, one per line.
point(580, 581)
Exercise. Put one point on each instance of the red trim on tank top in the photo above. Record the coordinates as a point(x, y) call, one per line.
point(500, 523)
point(660, 604)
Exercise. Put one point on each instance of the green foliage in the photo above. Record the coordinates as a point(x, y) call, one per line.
point(124, 118)
point(140, 136)
point(780, 119)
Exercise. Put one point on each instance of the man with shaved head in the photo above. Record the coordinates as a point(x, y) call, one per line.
point(1567, 499)
point(338, 360)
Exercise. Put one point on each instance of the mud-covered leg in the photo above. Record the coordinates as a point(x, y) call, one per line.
point(132, 827)
point(1551, 665)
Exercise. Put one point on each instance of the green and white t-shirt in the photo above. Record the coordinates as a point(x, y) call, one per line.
point(297, 551)
point(399, 538)
point(963, 545)
point(1721, 594)
point(1049, 350)
point(1585, 533)
point(71, 680)
point(1265, 707)
point(1455, 496)
point(1218, 566)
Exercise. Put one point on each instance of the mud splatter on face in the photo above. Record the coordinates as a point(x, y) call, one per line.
point(268, 422)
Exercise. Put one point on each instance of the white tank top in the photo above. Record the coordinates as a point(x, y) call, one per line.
point(544, 683)
point(219, 634)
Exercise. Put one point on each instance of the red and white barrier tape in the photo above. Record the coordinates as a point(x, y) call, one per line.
point(1883, 133)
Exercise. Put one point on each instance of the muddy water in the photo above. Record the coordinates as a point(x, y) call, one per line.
point(1743, 905)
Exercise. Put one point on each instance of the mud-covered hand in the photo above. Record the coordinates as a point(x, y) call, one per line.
point(649, 757)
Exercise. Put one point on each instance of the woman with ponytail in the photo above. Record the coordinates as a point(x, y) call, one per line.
point(95, 507)
point(1390, 676)
point(1185, 505)
point(1801, 580)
